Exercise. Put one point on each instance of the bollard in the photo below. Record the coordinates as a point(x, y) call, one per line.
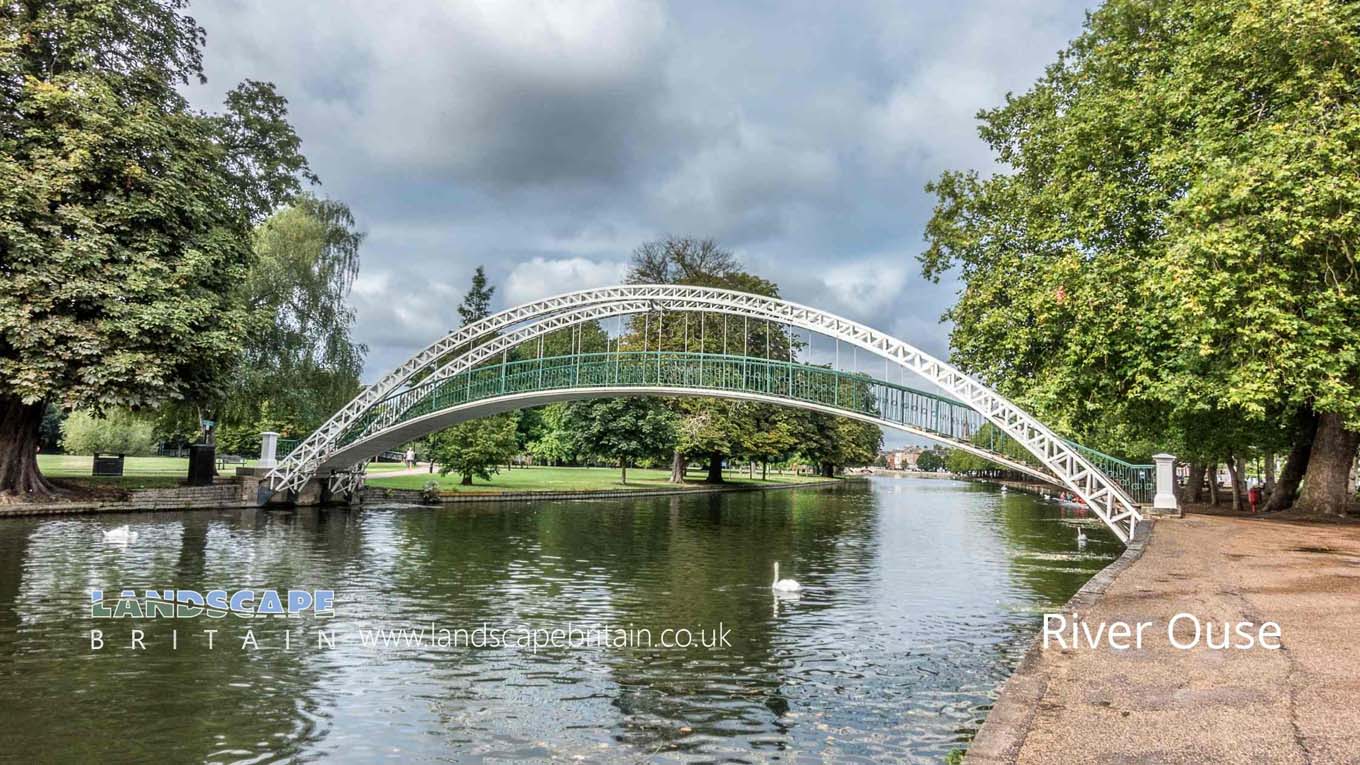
point(1165, 498)
point(269, 447)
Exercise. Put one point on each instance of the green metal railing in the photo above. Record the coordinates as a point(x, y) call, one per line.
point(1138, 480)
point(780, 379)
point(805, 383)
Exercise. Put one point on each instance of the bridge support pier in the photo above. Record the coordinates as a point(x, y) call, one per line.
point(269, 449)
point(1165, 498)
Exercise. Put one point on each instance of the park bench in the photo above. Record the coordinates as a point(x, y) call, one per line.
point(229, 459)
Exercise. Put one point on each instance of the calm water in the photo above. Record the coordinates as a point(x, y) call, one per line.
point(920, 597)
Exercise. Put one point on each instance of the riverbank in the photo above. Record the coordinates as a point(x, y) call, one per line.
point(382, 494)
point(572, 479)
point(1167, 705)
point(529, 484)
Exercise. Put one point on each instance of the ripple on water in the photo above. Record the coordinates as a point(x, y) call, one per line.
point(921, 596)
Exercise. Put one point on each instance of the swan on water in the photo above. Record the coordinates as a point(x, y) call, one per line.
point(1081, 537)
point(784, 585)
point(121, 535)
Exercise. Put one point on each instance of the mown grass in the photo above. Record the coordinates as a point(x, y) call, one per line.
point(160, 472)
point(138, 472)
point(573, 479)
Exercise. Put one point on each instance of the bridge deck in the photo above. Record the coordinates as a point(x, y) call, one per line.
point(930, 414)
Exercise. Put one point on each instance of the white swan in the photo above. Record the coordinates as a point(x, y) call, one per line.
point(120, 535)
point(784, 585)
point(1081, 537)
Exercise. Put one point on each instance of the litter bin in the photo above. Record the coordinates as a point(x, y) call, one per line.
point(202, 464)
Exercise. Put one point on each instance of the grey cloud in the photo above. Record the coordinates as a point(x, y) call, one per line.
point(547, 139)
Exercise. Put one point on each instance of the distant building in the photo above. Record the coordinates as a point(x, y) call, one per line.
point(903, 459)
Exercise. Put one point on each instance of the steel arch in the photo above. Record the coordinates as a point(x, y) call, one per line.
point(1104, 496)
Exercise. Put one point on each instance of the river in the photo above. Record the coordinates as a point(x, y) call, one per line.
point(920, 596)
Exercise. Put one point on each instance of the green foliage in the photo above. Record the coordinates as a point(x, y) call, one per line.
point(475, 448)
point(49, 433)
point(931, 461)
point(125, 215)
point(625, 430)
point(711, 426)
point(429, 492)
point(1169, 255)
point(829, 441)
point(772, 433)
point(118, 431)
point(476, 303)
point(555, 444)
point(299, 363)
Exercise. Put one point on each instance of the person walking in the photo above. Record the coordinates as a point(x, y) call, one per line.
point(410, 457)
point(1254, 497)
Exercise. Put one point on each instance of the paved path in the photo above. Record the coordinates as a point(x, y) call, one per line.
point(1300, 704)
point(421, 468)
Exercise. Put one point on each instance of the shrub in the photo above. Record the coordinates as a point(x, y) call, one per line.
point(429, 494)
point(117, 432)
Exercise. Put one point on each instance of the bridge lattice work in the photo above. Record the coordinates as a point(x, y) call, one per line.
point(469, 373)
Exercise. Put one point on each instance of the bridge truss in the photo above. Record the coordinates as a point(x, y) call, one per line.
point(468, 374)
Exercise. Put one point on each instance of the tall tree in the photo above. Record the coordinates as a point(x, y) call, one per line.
point(476, 303)
point(555, 443)
point(712, 429)
point(476, 448)
point(772, 434)
point(709, 428)
point(622, 429)
point(1169, 250)
point(125, 216)
point(299, 362)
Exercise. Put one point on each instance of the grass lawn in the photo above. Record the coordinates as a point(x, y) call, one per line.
point(138, 472)
point(571, 479)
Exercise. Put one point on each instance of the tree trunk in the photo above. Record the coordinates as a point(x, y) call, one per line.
point(19, 427)
point(1235, 476)
point(1287, 485)
point(623, 469)
point(678, 466)
point(751, 469)
point(1269, 460)
point(467, 479)
point(764, 470)
point(1326, 485)
point(1194, 484)
point(828, 470)
point(1355, 477)
point(1213, 484)
point(714, 468)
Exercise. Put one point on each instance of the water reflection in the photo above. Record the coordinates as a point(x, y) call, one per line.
point(919, 597)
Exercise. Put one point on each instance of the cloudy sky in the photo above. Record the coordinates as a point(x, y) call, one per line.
point(546, 140)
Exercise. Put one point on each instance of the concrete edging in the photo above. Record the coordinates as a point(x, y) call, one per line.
point(219, 496)
point(1003, 733)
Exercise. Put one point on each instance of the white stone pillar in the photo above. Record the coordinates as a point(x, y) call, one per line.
point(269, 448)
point(1165, 498)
